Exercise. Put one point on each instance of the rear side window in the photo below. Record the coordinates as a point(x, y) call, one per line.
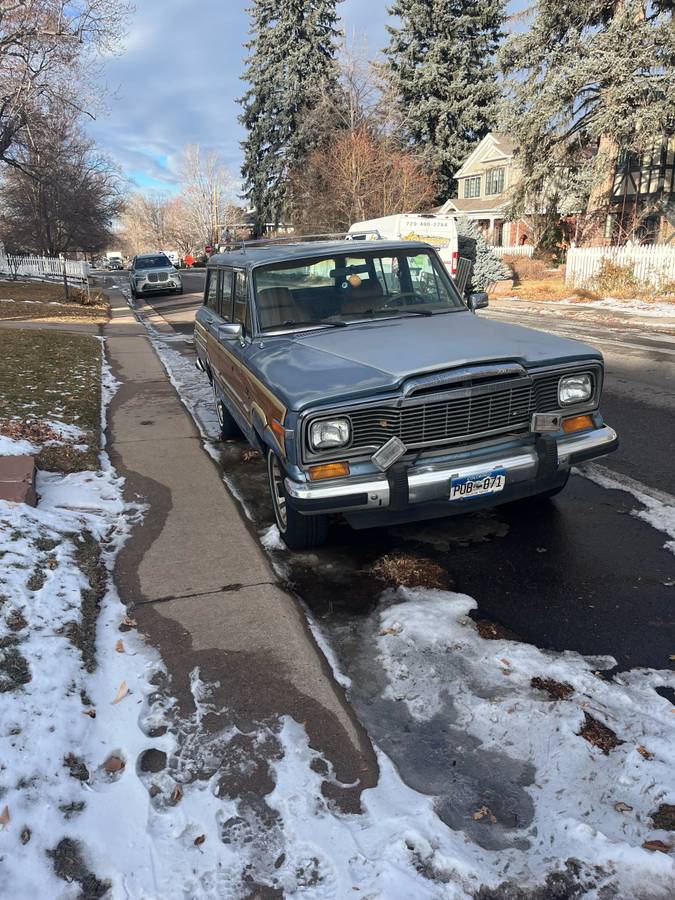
point(211, 294)
point(240, 300)
point(226, 293)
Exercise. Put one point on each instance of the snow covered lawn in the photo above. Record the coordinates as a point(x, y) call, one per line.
point(51, 397)
point(45, 300)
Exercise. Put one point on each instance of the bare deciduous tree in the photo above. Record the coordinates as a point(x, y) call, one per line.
point(48, 52)
point(359, 176)
point(145, 225)
point(361, 171)
point(207, 193)
point(62, 196)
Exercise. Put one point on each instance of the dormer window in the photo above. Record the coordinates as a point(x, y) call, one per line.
point(494, 181)
point(472, 187)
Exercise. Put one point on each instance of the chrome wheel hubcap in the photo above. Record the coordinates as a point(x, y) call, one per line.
point(278, 497)
point(219, 406)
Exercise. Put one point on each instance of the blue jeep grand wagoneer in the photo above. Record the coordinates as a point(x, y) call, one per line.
point(374, 391)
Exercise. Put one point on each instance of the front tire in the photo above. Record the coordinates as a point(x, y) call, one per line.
point(297, 531)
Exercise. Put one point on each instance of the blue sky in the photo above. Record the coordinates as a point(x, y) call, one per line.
point(177, 80)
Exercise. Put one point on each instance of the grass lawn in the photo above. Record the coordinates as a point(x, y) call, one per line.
point(51, 377)
point(46, 301)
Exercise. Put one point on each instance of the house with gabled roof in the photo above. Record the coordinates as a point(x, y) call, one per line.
point(484, 181)
point(643, 194)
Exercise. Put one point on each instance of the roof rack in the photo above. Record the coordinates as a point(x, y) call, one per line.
point(305, 238)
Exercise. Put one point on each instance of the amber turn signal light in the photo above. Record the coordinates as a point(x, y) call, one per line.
point(577, 423)
point(280, 433)
point(329, 470)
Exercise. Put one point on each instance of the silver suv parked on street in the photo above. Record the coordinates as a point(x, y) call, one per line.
point(154, 272)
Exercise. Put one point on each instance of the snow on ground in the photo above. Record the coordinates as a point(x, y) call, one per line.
point(11, 447)
point(659, 507)
point(588, 805)
point(632, 307)
point(66, 434)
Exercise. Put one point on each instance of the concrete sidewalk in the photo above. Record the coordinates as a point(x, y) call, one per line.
point(199, 585)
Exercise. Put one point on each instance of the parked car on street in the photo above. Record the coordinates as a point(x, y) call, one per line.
point(113, 260)
point(154, 272)
point(373, 390)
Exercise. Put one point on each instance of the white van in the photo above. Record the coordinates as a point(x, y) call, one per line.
point(439, 231)
point(174, 256)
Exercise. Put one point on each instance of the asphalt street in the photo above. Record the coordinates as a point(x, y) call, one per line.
point(582, 572)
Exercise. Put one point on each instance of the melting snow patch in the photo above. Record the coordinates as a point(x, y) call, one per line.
point(659, 507)
point(588, 805)
point(10, 447)
point(192, 385)
point(632, 307)
point(271, 539)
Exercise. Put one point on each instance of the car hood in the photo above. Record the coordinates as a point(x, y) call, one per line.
point(322, 367)
point(169, 270)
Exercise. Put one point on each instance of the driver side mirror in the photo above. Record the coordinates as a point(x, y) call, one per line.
point(230, 332)
point(478, 300)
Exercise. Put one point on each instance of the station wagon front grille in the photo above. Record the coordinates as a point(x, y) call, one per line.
point(503, 408)
point(444, 421)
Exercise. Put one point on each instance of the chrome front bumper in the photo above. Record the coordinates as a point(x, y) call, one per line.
point(145, 286)
point(427, 483)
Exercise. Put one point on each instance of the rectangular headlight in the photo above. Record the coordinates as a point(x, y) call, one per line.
point(329, 433)
point(575, 389)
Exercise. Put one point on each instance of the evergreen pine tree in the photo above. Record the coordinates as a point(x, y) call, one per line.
point(443, 78)
point(487, 266)
point(290, 68)
point(587, 80)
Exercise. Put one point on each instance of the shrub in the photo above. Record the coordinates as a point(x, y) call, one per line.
point(616, 281)
point(525, 268)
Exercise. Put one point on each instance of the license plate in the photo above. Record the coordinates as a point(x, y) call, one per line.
point(477, 485)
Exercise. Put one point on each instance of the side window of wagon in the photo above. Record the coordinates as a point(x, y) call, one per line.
point(211, 295)
point(241, 311)
point(226, 294)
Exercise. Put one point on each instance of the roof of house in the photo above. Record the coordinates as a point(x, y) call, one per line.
point(502, 143)
point(465, 204)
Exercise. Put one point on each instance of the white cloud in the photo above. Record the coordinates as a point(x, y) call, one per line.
point(178, 79)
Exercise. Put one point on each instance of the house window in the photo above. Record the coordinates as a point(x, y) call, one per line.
point(472, 187)
point(494, 181)
point(610, 226)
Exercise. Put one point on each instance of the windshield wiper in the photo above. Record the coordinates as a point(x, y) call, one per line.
point(321, 323)
point(405, 312)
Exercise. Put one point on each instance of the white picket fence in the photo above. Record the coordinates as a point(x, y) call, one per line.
point(652, 264)
point(517, 250)
point(43, 267)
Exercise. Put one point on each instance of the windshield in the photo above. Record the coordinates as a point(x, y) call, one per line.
point(352, 287)
point(152, 262)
